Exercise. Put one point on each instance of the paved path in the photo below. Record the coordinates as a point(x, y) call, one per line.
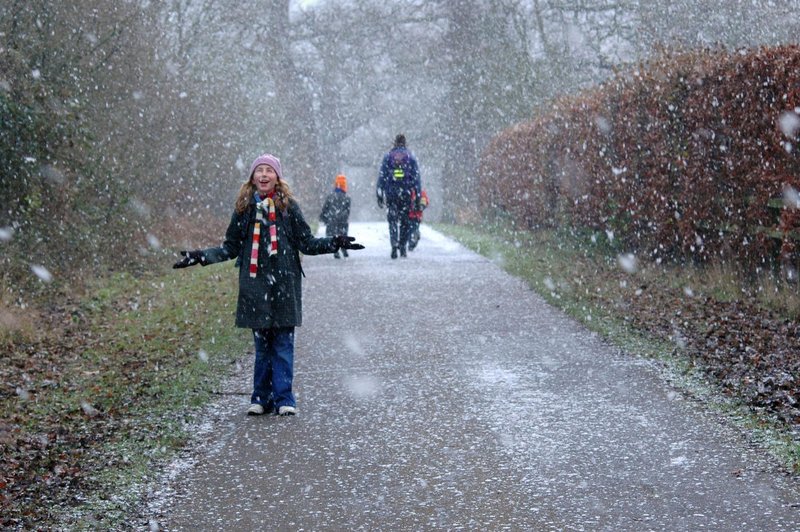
point(438, 392)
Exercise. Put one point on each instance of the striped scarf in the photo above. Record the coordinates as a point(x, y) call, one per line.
point(265, 206)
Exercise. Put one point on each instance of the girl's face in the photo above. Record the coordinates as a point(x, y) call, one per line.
point(264, 178)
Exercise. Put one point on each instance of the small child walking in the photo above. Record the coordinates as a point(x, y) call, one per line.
point(415, 217)
point(266, 235)
point(336, 211)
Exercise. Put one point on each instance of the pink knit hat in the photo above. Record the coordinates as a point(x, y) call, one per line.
point(271, 160)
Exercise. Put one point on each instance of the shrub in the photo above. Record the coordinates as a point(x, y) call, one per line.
point(686, 157)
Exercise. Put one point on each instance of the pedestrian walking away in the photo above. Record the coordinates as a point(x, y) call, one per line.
point(418, 204)
point(399, 176)
point(336, 211)
point(266, 235)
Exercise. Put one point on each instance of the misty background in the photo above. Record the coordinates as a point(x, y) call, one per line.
point(128, 127)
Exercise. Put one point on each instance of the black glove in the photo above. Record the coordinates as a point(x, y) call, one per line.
point(190, 258)
point(346, 242)
point(380, 202)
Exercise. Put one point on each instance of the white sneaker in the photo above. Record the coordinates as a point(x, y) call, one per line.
point(287, 410)
point(255, 410)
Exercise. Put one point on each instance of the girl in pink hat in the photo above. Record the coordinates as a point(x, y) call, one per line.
point(266, 235)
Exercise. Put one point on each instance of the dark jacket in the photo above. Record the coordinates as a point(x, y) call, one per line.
point(336, 213)
point(399, 175)
point(274, 297)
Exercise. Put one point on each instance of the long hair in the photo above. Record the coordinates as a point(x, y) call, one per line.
point(283, 195)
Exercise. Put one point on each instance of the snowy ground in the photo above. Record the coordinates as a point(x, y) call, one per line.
point(437, 392)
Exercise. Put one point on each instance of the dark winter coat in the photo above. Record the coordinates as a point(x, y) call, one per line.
point(274, 297)
point(399, 175)
point(336, 213)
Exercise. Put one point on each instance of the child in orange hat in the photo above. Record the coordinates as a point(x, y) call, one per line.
point(336, 211)
point(415, 217)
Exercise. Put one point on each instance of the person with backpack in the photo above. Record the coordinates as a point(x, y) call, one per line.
point(266, 235)
point(336, 211)
point(399, 176)
point(415, 216)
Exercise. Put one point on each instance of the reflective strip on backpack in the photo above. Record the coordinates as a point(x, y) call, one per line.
point(399, 173)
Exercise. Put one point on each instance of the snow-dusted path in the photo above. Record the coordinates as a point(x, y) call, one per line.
point(438, 392)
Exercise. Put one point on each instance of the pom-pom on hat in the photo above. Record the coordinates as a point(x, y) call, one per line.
point(266, 158)
point(341, 182)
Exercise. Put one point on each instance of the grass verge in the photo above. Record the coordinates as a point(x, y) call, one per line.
point(582, 276)
point(108, 390)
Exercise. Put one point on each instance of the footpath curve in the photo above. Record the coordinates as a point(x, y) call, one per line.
point(438, 392)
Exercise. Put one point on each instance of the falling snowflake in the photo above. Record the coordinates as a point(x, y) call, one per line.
point(603, 124)
point(354, 346)
point(42, 273)
point(789, 123)
point(88, 409)
point(791, 198)
point(627, 262)
point(154, 242)
point(363, 386)
point(142, 208)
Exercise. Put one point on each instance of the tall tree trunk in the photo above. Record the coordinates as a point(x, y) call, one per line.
point(460, 124)
point(301, 157)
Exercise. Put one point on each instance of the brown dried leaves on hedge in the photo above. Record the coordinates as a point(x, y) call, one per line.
point(681, 158)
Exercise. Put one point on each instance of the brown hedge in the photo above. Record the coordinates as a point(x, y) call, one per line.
point(680, 158)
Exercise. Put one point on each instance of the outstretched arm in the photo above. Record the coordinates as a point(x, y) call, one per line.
point(308, 244)
point(230, 248)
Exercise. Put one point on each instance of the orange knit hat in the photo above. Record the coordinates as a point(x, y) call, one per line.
point(341, 182)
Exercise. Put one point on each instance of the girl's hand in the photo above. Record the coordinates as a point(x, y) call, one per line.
point(190, 258)
point(346, 242)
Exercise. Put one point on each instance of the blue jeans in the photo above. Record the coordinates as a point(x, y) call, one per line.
point(273, 369)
